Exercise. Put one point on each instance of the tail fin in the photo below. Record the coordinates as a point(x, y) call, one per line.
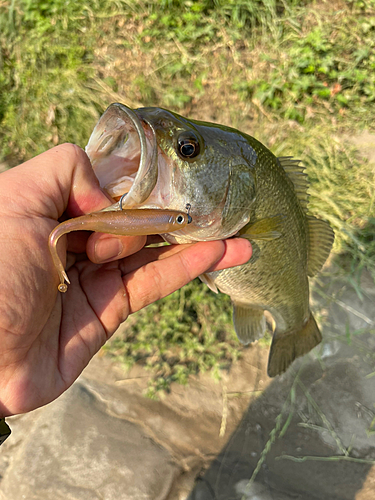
point(288, 346)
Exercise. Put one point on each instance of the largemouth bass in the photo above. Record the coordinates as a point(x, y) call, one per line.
point(233, 185)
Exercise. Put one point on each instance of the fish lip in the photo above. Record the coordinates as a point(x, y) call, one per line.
point(147, 172)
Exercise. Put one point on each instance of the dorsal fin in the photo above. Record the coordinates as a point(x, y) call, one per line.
point(297, 175)
point(321, 238)
point(321, 235)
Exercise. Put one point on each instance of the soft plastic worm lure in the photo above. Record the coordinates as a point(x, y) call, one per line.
point(138, 222)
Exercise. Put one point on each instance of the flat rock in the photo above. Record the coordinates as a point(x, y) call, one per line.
point(76, 450)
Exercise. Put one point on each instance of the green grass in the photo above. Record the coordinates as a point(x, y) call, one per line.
point(298, 75)
point(193, 334)
point(62, 62)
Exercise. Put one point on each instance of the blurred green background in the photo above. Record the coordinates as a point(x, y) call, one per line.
point(297, 75)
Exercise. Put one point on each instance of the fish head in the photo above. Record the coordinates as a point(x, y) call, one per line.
point(163, 160)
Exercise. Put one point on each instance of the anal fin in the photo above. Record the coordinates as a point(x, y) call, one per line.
point(288, 346)
point(249, 322)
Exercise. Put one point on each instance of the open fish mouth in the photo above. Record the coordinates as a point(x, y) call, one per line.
point(134, 154)
point(124, 155)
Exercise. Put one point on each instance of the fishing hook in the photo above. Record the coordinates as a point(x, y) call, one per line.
point(120, 202)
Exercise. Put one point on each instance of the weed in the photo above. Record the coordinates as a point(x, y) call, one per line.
point(184, 334)
point(282, 423)
point(334, 458)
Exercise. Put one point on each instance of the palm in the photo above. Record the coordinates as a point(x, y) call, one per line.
point(50, 337)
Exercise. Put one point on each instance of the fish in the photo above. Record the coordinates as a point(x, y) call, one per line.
point(151, 158)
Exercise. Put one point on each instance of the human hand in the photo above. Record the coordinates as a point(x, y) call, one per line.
point(47, 338)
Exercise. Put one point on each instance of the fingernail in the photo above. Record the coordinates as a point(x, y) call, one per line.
point(108, 249)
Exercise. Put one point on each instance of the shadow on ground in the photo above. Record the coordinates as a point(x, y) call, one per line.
point(311, 434)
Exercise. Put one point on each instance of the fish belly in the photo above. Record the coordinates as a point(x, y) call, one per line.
point(283, 290)
point(267, 282)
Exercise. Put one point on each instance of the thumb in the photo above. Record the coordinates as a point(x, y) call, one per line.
point(58, 180)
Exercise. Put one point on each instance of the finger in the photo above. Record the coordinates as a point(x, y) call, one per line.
point(102, 248)
point(59, 179)
point(104, 292)
point(237, 251)
point(160, 278)
point(97, 305)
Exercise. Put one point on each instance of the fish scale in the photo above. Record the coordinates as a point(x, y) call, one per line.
point(278, 280)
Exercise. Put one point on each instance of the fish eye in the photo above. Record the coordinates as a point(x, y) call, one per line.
point(180, 219)
point(188, 145)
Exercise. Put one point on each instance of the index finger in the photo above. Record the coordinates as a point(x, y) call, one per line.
point(157, 279)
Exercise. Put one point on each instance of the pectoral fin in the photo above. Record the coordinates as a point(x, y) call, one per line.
point(288, 346)
point(267, 229)
point(249, 323)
